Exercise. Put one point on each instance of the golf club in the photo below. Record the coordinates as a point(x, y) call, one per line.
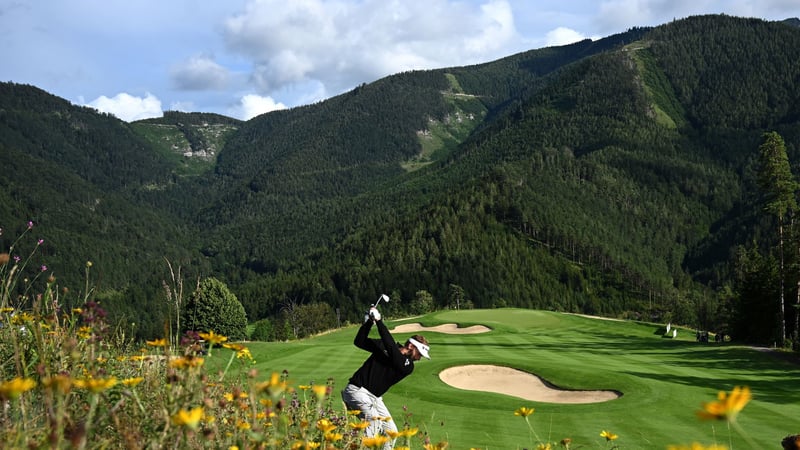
point(383, 297)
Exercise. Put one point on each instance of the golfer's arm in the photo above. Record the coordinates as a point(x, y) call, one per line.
point(362, 337)
point(390, 345)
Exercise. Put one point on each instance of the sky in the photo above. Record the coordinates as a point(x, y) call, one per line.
point(136, 59)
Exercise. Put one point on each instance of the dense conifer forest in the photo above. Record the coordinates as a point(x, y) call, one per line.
point(617, 177)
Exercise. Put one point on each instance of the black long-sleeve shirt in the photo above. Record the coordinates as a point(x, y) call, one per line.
point(386, 365)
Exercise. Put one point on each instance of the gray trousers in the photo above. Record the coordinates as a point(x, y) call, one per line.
point(372, 409)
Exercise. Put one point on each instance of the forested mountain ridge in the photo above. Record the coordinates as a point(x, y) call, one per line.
point(610, 177)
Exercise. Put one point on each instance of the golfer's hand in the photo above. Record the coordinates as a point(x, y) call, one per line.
point(374, 313)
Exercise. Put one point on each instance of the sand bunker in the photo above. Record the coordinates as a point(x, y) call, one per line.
point(508, 381)
point(449, 328)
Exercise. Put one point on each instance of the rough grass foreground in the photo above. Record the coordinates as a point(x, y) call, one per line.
point(67, 380)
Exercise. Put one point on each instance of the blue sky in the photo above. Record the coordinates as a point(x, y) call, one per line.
point(138, 58)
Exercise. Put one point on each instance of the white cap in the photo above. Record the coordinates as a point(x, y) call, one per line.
point(423, 348)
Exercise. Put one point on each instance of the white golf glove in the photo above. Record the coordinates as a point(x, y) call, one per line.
point(374, 313)
point(367, 318)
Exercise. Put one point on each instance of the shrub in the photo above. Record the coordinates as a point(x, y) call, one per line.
point(213, 307)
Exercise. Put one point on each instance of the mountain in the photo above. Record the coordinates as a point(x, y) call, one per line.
point(610, 177)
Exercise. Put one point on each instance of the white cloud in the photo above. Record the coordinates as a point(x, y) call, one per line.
point(342, 43)
point(127, 107)
point(199, 73)
point(562, 36)
point(252, 105)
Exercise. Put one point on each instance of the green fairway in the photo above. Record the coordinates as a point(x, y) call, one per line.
point(664, 381)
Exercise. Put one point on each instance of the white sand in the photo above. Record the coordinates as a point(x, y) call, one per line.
point(504, 380)
point(448, 328)
point(516, 383)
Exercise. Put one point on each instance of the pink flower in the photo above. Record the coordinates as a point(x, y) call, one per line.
point(44, 268)
point(30, 224)
point(40, 241)
point(16, 258)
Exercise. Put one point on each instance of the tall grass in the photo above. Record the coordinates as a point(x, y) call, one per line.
point(70, 380)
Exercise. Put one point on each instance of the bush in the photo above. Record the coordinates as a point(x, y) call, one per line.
point(213, 307)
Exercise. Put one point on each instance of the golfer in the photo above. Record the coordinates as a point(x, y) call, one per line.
point(389, 363)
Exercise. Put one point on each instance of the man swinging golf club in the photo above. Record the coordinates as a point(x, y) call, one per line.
point(388, 363)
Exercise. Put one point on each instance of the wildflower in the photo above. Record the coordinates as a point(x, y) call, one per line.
point(274, 386)
point(408, 432)
point(40, 242)
point(77, 311)
point(96, 385)
point(307, 445)
point(132, 381)
point(88, 264)
point(30, 224)
point(11, 390)
point(523, 411)
point(374, 442)
point(21, 318)
point(6, 310)
point(332, 437)
point(241, 350)
point(60, 383)
point(358, 425)
point(84, 332)
point(190, 419)
point(44, 268)
point(565, 442)
point(186, 362)
point(439, 446)
point(242, 425)
point(325, 425)
point(727, 406)
point(157, 343)
point(544, 446)
point(608, 435)
point(319, 391)
point(696, 446)
point(213, 338)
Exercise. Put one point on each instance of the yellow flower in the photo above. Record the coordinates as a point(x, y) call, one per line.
point(307, 445)
point(374, 442)
point(6, 310)
point(77, 311)
point(84, 332)
point(96, 385)
point(213, 338)
point(274, 387)
point(727, 406)
point(353, 412)
point(132, 381)
point(408, 432)
point(21, 318)
point(319, 390)
point(523, 411)
point(544, 447)
point(358, 425)
point(439, 446)
point(333, 437)
point(189, 419)
point(325, 425)
point(696, 446)
point(157, 343)
point(60, 383)
point(608, 435)
point(11, 390)
point(243, 425)
point(186, 362)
